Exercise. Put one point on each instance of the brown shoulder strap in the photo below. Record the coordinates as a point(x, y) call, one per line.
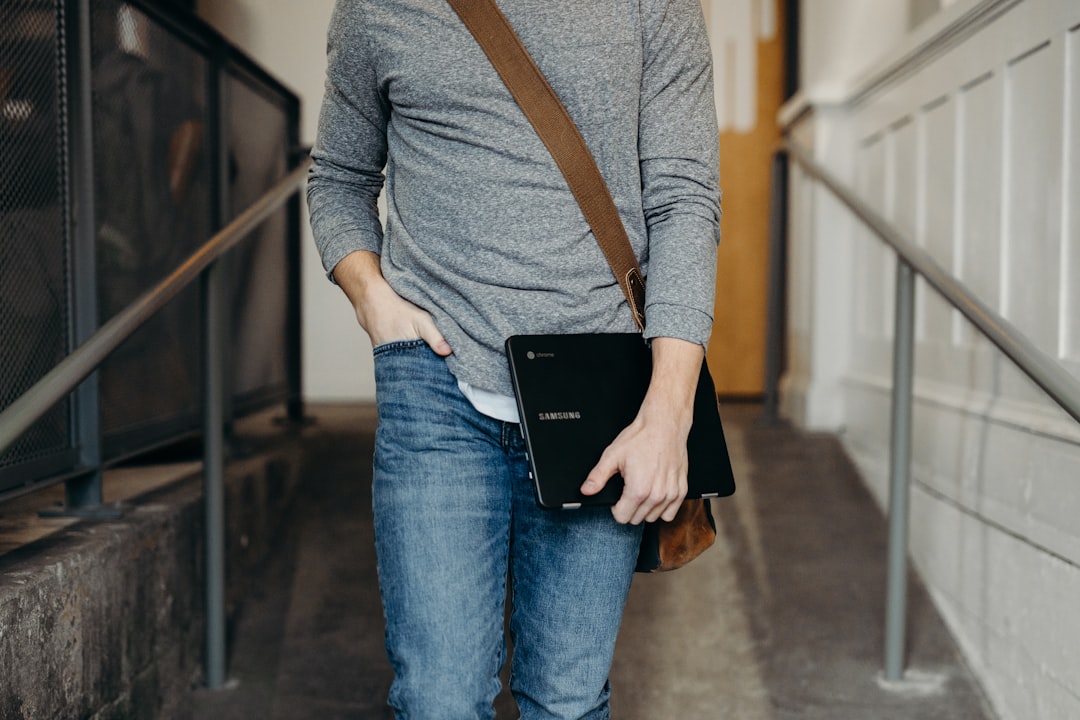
point(556, 129)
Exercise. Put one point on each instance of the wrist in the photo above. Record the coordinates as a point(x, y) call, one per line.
point(673, 384)
point(359, 275)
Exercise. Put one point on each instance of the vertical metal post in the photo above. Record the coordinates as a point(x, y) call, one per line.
point(223, 213)
point(213, 400)
point(903, 373)
point(294, 404)
point(774, 334)
point(214, 476)
point(83, 495)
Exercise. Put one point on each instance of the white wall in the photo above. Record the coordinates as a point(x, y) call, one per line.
point(838, 39)
point(288, 38)
point(965, 138)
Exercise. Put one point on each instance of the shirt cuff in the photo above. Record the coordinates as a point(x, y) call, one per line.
point(678, 321)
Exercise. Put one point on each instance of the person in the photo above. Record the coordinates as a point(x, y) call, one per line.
point(484, 240)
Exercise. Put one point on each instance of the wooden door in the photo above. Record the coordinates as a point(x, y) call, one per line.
point(748, 63)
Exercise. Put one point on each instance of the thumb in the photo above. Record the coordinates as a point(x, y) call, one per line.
point(435, 340)
point(599, 476)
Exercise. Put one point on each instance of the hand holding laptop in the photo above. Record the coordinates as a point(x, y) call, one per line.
point(650, 454)
point(591, 406)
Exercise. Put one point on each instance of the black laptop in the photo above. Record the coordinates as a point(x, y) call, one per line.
point(575, 393)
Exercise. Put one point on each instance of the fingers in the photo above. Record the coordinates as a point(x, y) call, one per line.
point(395, 318)
point(672, 510)
point(653, 468)
point(650, 502)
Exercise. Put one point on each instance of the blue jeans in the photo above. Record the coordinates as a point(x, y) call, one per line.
point(454, 511)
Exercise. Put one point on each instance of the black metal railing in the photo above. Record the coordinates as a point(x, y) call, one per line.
point(129, 132)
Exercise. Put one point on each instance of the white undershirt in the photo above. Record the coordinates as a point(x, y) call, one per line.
point(494, 405)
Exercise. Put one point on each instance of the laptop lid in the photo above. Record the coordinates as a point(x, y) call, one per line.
point(576, 393)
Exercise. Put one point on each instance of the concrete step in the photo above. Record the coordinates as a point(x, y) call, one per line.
point(104, 619)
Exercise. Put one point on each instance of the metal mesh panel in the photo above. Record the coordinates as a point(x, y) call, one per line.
point(33, 240)
point(258, 144)
point(152, 202)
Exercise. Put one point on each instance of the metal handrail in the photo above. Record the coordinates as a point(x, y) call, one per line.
point(1049, 374)
point(1046, 372)
point(76, 367)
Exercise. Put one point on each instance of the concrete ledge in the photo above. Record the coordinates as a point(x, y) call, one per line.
point(105, 620)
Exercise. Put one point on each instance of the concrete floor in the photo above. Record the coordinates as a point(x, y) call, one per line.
point(782, 619)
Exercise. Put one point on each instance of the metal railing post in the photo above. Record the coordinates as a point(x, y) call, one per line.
point(774, 333)
point(214, 475)
point(294, 404)
point(214, 384)
point(903, 372)
point(83, 494)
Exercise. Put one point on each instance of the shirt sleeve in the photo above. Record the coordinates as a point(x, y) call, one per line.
point(350, 148)
point(679, 155)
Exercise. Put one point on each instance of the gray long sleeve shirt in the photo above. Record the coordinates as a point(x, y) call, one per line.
point(482, 230)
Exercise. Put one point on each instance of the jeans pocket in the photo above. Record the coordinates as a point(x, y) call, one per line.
point(393, 345)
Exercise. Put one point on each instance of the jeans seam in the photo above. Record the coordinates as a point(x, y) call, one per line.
point(513, 592)
point(397, 345)
point(507, 540)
